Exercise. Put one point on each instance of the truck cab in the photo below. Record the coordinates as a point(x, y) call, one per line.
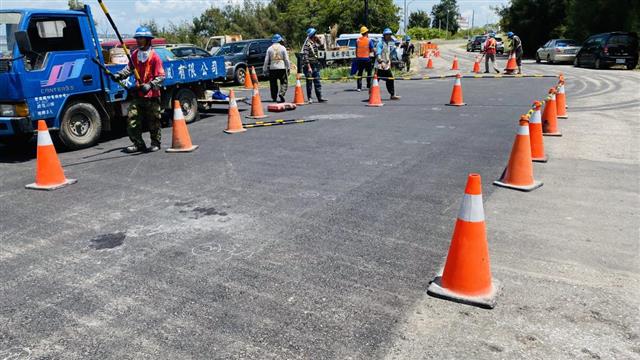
point(52, 68)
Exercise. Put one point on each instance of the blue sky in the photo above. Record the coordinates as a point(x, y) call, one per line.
point(129, 13)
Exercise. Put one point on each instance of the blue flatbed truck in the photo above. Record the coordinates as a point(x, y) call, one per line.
point(52, 68)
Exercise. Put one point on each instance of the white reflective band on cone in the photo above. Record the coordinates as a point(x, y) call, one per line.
point(553, 97)
point(177, 114)
point(458, 83)
point(233, 103)
point(298, 83)
point(471, 209)
point(523, 130)
point(44, 138)
point(561, 89)
point(536, 118)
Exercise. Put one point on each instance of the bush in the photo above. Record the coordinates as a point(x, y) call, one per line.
point(419, 33)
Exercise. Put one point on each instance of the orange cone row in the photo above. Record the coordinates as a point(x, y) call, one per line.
point(466, 277)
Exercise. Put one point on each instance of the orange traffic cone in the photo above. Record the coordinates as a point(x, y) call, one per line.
point(374, 93)
point(454, 66)
point(519, 172)
point(476, 66)
point(511, 64)
point(248, 84)
point(456, 94)
point(254, 76)
point(429, 63)
point(561, 101)
point(466, 277)
point(256, 104)
point(535, 135)
point(298, 97)
point(49, 173)
point(234, 122)
point(181, 141)
point(549, 116)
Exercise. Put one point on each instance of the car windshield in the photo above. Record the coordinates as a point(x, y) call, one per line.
point(565, 43)
point(8, 26)
point(232, 48)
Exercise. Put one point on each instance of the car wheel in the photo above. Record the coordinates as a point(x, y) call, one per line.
point(632, 65)
point(576, 62)
point(538, 60)
point(239, 75)
point(189, 104)
point(549, 59)
point(81, 126)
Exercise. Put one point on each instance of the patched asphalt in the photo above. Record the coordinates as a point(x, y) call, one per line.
point(298, 241)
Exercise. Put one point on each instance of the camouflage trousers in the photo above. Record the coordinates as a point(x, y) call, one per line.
point(139, 111)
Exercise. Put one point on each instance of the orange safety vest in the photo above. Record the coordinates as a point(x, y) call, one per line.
point(362, 47)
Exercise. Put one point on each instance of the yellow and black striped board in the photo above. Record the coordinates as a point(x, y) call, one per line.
point(276, 123)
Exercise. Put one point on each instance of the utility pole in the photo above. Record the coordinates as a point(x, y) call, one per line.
point(366, 13)
point(405, 16)
point(447, 34)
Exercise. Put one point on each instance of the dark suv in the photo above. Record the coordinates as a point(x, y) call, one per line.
point(241, 55)
point(475, 43)
point(612, 48)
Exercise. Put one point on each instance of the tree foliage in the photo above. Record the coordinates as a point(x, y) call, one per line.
point(419, 19)
point(445, 15)
point(537, 21)
point(290, 18)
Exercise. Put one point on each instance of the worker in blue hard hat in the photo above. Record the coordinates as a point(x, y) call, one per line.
point(146, 104)
point(407, 51)
point(276, 65)
point(516, 48)
point(385, 52)
point(311, 64)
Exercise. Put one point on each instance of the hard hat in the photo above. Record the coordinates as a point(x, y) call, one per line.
point(143, 32)
point(510, 34)
point(364, 30)
point(311, 32)
point(387, 31)
point(276, 38)
point(407, 38)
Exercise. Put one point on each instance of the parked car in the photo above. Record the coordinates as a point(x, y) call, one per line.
point(499, 46)
point(187, 51)
point(242, 55)
point(476, 42)
point(607, 49)
point(558, 50)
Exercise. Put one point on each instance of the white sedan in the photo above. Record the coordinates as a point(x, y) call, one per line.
point(558, 50)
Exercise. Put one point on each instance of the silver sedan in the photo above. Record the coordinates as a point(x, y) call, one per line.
point(558, 50)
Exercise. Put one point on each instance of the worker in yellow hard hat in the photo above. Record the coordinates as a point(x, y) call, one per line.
point(362, 62)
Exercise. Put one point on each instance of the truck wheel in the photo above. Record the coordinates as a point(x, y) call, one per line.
point(189, 104)
point(81, 125)
point(239, 75)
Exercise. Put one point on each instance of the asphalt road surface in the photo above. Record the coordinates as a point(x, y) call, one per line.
point(312, 241)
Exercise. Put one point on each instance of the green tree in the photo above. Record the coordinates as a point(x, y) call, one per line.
point(535, 22)
point(445, 15)
point(588, 17)
point(419, 19)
